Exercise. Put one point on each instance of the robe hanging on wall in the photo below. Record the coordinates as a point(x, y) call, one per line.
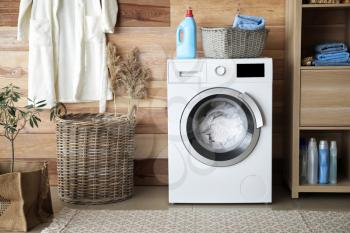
point(67, 49)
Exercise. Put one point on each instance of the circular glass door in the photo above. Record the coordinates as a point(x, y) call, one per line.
point(220, 126)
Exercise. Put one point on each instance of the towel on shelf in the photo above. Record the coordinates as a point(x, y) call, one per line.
point(247, 22)
point(331, 48)
point(328, 63)
point(333, 57)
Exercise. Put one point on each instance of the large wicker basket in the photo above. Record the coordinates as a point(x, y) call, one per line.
point(233, 42)
point(95, 157)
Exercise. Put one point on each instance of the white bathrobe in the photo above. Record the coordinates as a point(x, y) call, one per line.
point(67, 48)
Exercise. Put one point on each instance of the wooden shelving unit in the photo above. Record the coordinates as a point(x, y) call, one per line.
point(340, 5)
point(325, 67)
point(314, 128)
point(340, 187)
point(319, 97)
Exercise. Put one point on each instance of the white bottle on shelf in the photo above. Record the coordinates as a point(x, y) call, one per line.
point(312, 162)
point(333, 163)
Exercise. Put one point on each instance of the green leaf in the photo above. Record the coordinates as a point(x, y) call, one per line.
point(12, 111)
point(37, 118)
point(35, 122)
point(42, 101)
point(22, 112)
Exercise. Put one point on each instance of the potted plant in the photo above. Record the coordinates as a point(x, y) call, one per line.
point(25, 199)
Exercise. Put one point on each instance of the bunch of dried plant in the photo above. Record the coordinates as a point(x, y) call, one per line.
point(127, 73)
point(135, 75)
point(114, 64)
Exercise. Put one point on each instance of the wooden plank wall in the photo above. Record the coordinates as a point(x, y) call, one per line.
point(150, 25)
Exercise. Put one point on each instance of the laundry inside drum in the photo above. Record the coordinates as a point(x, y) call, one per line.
point(220, 125)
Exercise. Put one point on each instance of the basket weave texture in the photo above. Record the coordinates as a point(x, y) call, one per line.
point(233, 42)
point(95, 157)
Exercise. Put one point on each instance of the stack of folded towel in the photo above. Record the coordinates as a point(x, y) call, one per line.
point(332, 54)
point(247, 22)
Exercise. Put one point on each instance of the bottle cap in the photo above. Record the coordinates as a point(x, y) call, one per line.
point(333, 143)
point(323, 144)
point(189, 12)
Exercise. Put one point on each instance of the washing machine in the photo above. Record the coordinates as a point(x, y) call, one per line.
point(220, 130)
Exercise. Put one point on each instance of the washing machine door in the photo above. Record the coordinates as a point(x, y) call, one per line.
point(221, 126)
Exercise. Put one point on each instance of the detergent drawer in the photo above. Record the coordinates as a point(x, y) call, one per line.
point(325, 98)
point(186, 71)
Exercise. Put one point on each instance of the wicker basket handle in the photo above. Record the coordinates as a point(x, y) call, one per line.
point(132, 112)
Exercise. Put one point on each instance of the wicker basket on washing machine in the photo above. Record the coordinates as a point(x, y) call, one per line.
point(228, 42)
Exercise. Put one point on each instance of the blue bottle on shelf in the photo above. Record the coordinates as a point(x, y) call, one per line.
point(323, 162)
point(186, 45)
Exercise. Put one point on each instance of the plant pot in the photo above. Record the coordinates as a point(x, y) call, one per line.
point(25, 199)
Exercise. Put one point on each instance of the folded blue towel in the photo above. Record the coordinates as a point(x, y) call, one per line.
point(249, 22)
point(327, 63)
point(333, 57)
point(331, 48)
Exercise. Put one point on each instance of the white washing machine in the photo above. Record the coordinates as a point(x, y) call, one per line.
point(220, 130)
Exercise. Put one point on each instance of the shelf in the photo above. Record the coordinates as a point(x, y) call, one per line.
point(342, 186)
point(340, 5)
point(315, 128)
point(325, 67)
point(313, 26)
point(318, 104)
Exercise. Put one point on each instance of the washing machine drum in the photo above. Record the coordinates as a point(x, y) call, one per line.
point(221, 126)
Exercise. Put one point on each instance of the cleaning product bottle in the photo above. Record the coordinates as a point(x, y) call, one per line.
point(186, 45)
point(333, 163)
point(312, 162)
point(303, 161)
point(323, 162)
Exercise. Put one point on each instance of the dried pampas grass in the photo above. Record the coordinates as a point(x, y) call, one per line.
point(128, 73)
point(135, 76)
point(114, 63)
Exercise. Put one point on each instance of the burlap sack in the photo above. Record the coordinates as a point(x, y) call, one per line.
point(25, 199)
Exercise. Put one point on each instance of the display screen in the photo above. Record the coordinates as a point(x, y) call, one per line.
point(250, 70)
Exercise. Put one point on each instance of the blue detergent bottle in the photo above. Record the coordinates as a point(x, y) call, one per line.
point(186, 45)
point(323, 162)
